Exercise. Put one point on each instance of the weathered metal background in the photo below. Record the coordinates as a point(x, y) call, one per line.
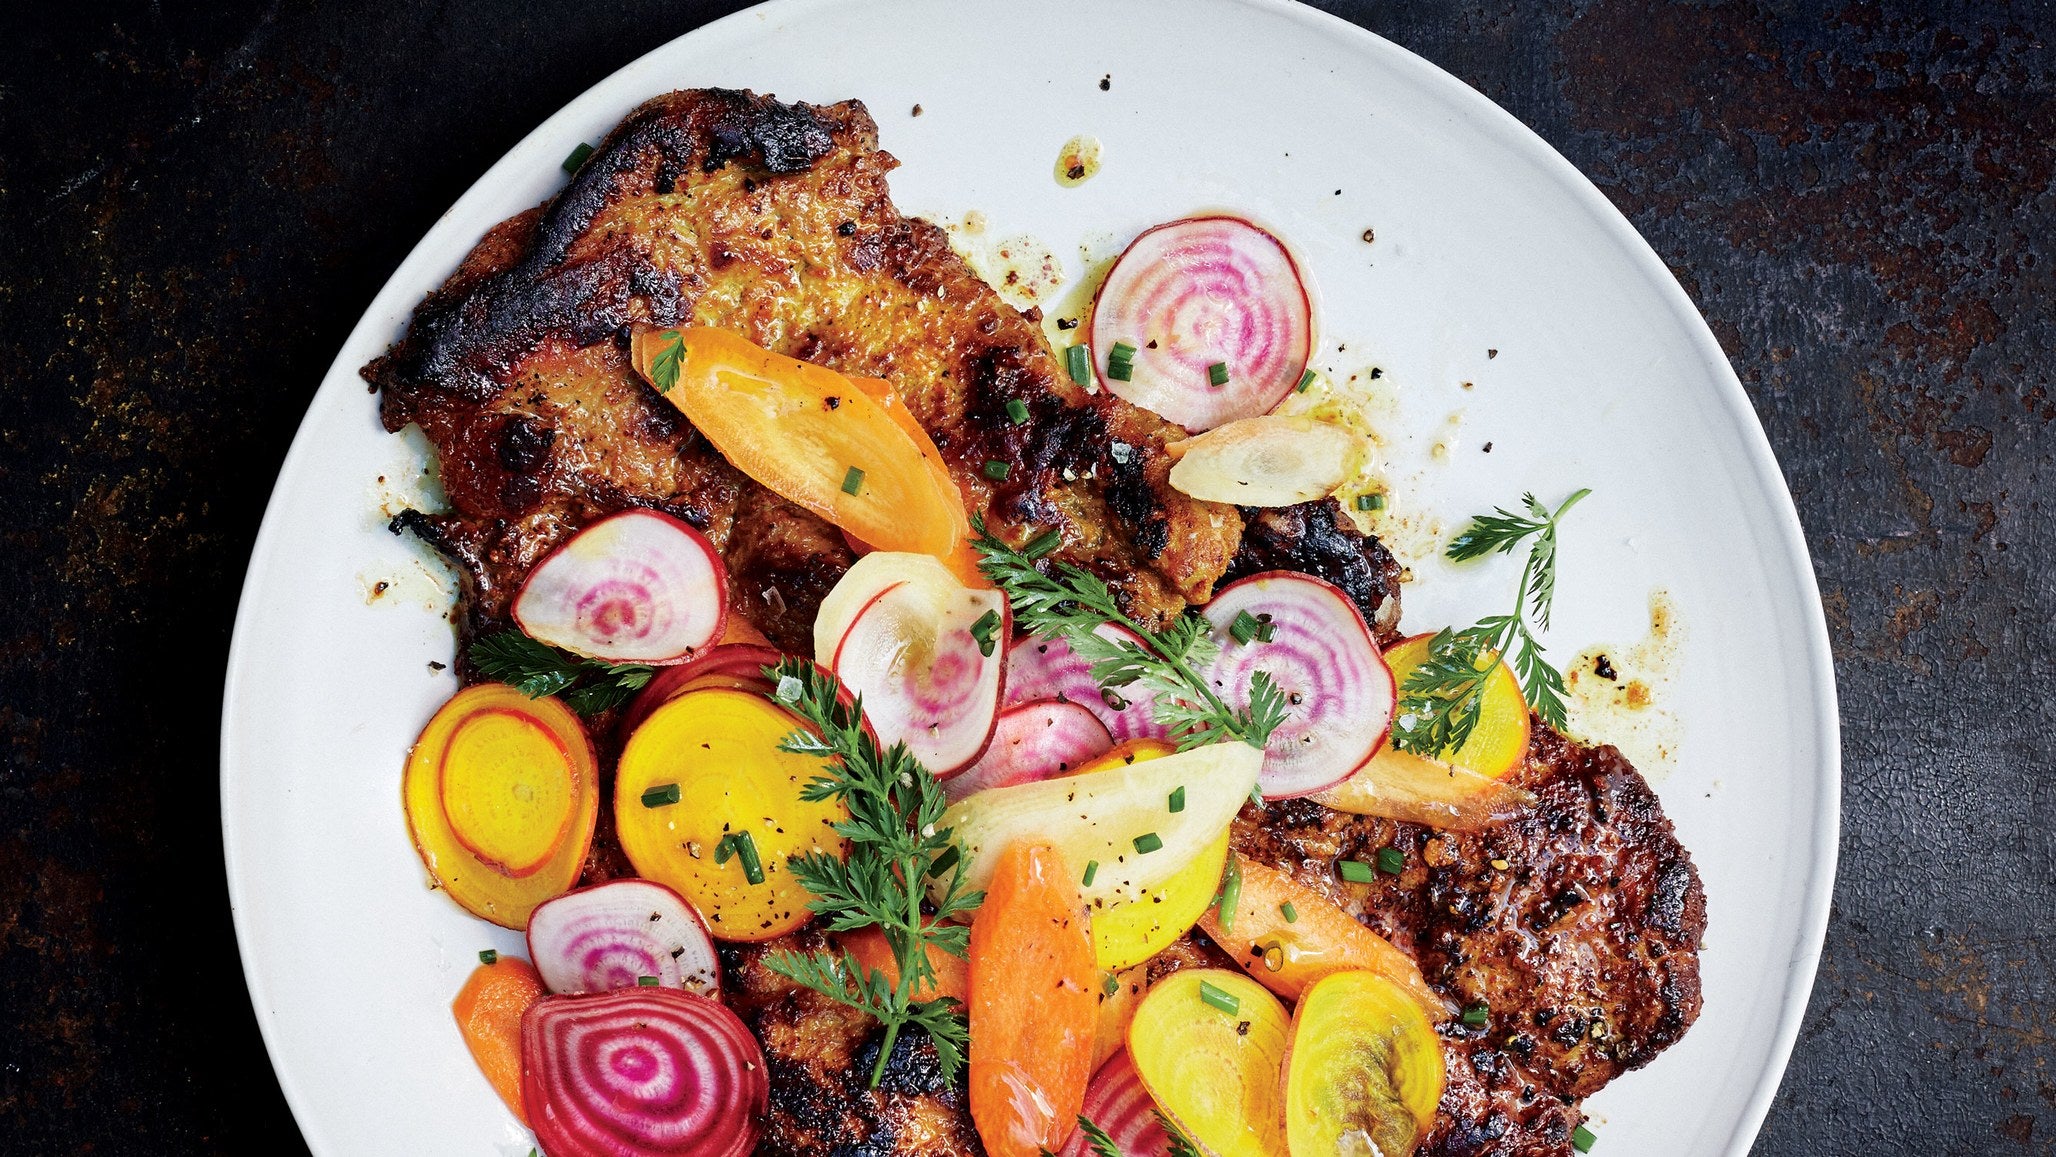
point(196, 207)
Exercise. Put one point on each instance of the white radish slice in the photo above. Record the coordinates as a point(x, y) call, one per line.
point(1049, 669)
point(1194, 294)
point(612, 935)
point(1040, 739)
point(1272, 460)
point(634, 587)
point(1338, 691)
point(924, 652)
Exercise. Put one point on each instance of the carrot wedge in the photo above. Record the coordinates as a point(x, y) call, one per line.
point(1288, 955)
point(488, 1010)
point(1034, 1011)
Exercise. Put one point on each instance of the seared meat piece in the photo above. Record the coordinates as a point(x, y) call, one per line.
point(729, 209)
point(1585, 946)
point(819, 1056)
point(1316, 538)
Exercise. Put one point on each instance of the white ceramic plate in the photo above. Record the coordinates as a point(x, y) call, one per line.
point(1485, 240)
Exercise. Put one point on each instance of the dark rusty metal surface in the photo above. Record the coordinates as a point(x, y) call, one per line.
point(195, 208)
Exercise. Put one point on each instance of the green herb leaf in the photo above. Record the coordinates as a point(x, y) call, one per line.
point(896, 842)
point(1096, 1138)
point(664, 367)
point(536, 669)
point(1441, 700)
point(1071, 604)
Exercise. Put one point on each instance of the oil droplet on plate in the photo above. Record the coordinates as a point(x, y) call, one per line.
point(1078, 160)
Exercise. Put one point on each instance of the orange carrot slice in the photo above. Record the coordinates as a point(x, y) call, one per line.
point(1287, 955)
point(952, 973)
point(488, 1010)
point(1033, 1005)
point(814, 437)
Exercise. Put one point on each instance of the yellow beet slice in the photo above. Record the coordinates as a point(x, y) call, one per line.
point(1500, 738)
point(1364, 1065)
point(1217, 1073)
point(501, 792)
point(1131, 931)
point(508, 789)
point(703, 798)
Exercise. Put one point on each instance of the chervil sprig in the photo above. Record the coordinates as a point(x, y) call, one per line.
point(1072, 604)
point(895, 806)
point(1440, 702)
point(536, 669)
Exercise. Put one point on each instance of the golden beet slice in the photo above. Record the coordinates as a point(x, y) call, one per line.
point(706, 802)
point(501, 793)
point(1364, 1072)
point(1209, 1045)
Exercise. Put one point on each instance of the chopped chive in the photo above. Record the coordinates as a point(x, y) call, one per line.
point(1217, 374)
point(1078, 360)
point(488, 956)
point(1477, 1015)
point(725, 850)
point(658, 796)
point(1220, 998)
point(1121, 371)
point(1355, 871)
point(577, 156)
point(1306, 379)
point(1265, 632)
point(944, 862)
point(1043, 543)
point(1290, 913)
point(1017, 410)
point(1273, 955)
point(853, 481)
point(1370, 502)
point(1244, 627)
point(1122, 352)
point(1231, 892)
point(982, 631)
point(997, 470)
point(746, 850)
point(1582, 1139)
point(1112, 985)
point(1148, 842)
point(1178, 798)
point(1091, 870)
point(646, 982)
point(1391, 861)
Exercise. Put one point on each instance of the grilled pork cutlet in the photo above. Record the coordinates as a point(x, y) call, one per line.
point(733, 210)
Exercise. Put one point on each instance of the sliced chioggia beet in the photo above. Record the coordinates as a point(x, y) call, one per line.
point(924, 652)
point(1048, 669)
point(634, 587)
point(1203, 321)
point(1312, 641)
point(621, 934)
point(1271, 460)
point(1114, 827)
point(641, 1072)
point(1041, 739)
point(1116, 1101)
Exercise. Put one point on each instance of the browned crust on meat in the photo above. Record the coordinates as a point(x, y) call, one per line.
point(730, 209)
point(1585, 946)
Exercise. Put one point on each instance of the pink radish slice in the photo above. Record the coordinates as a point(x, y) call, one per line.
point(1049, 669)
point(1199, 292)
point(634, 587)
point(612, 935)
point(641, 1072)
point(1338, 690)
point(1116, 1101)
point(912, 656)
point(1040, 739)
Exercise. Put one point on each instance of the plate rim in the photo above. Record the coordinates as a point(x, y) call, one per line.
point(1824, 858)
